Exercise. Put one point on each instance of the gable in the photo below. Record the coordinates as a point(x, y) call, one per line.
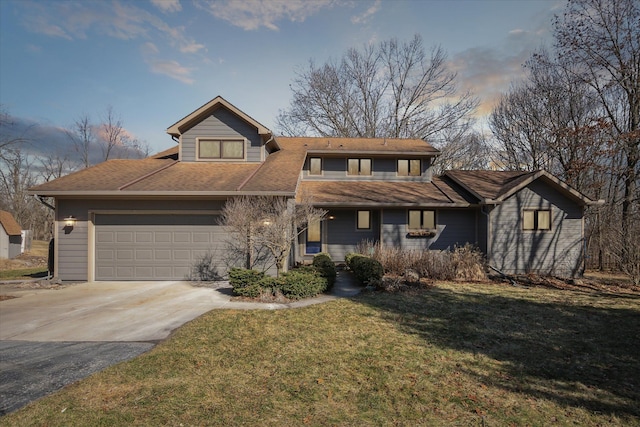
point(9, 224)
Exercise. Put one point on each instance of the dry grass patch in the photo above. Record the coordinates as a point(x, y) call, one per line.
point(454, 354)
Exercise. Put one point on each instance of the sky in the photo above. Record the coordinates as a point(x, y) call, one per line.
point(156, 61)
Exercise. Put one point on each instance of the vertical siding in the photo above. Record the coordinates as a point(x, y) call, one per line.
point(382, 168)
point(556, 252)
point(4, 244)
point(222, 123)
point(455, 227)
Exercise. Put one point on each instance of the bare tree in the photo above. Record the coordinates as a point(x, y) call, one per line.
point(390, 90)
point(113, 133)
point(267, 223)
point(603, 37)
point(464, 149)
point(83, 138)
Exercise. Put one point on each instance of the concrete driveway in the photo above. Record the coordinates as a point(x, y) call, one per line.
point(106, 311)
point(52, 337)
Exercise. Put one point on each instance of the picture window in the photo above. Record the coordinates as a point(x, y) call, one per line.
point(229, 149)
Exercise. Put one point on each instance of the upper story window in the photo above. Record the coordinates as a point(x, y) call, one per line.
point(315, 166)
point(408, 167)
point(225, 149)
point(536, 219)
point(422, 219)
point(359, 167)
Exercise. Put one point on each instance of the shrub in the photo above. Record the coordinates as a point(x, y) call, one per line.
point(247, 283)
point(365, 269)
point(327, 268)
point(297, 284)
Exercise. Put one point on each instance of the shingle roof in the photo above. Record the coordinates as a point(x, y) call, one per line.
point(9, 224)
point(168, 153)
point(379, 193)
point(489, 184)
point(496, 186)
point(357, 145)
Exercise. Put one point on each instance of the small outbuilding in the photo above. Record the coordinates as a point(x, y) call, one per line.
point(10, 236)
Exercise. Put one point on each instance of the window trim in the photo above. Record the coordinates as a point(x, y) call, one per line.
point(321, 167)
point(360, 159)
point(408, 167)
point(422, 212)
point(358, 228)
point(221, 140)
point(536, 221)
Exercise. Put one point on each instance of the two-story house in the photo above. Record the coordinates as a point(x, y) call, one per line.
point(151, 219)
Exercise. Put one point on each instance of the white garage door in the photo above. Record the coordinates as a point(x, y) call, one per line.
point(154, 247)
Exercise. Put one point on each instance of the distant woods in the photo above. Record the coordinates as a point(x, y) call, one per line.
point(24, 164)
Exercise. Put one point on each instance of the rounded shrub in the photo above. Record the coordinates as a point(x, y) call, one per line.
point(366, 269)
point(246, 283)
point(297, 284)
point(327, 268)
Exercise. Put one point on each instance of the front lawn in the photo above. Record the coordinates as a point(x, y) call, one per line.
point(455, 354)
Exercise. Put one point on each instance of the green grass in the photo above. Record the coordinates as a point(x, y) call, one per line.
point(455, 354)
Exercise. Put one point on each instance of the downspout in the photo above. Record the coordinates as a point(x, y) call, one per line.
point(49, 262)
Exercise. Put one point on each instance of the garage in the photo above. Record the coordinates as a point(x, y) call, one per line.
point(155, 246)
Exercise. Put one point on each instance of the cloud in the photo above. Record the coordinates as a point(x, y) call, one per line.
point(168, 68)
point(366, 16)
point(489, 72)
point(253, 14)
point(167, 6)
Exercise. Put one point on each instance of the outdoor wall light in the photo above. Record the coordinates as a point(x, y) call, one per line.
point(70, 221)
point(331, 217)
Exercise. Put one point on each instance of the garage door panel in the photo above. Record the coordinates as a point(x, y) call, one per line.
point(154, 247)
point(162, 237)
point(124, 237)
point(144, 237)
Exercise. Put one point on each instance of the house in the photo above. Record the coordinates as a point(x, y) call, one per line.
point(10, 236)
point(151, 219)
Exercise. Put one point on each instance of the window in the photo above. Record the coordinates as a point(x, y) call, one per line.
point(411, 167)
point(315, 166)
point(221, 149)
point(364, 220)
point(422, 220)
point(536, 219)
point(359, 167)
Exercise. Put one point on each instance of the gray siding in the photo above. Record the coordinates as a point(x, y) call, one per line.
point(383, 168)
point(455, 227)
point(10, 246)
point(557, 251)
point(222, 123)
point(342, 236)
point(73, 245)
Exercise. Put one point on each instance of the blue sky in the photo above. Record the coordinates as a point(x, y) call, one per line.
point(155, 61)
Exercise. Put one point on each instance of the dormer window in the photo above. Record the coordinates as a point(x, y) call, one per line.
point(359, 167)
point(408, 167)
point(315, 166)
point(220, 149)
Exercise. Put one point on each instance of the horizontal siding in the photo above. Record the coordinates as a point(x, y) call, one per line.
point(557, 252)
point(455, 227)
point(72, 251)
point(222, 123)
point(342, 236)
point(335, 168)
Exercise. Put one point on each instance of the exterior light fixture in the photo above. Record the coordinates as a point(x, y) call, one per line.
point(70, 221)
point(331, 217)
